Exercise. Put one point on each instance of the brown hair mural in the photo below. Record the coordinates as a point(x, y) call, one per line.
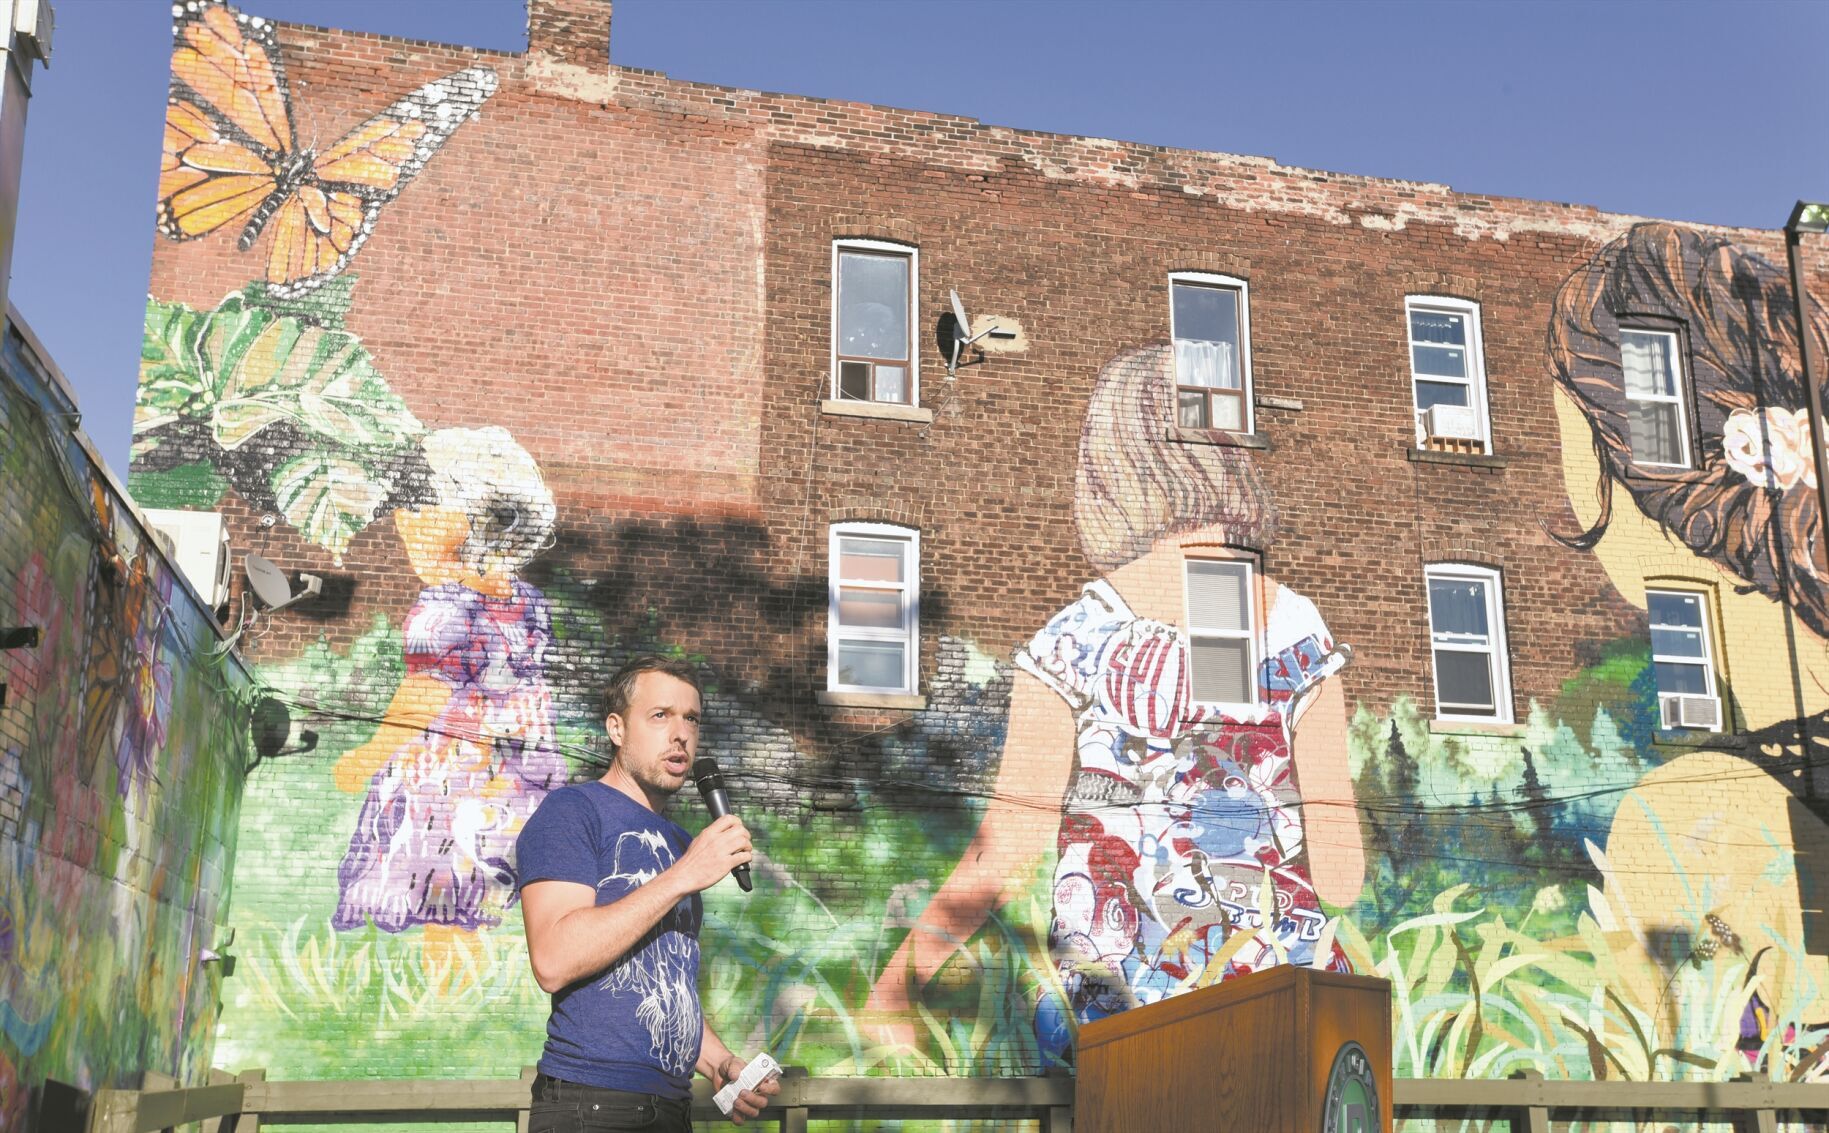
point(1747, 501)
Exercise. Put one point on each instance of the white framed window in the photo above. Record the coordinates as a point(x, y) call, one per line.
point(1210, 323)
point(1657, 414)
point(1683, 659)
point(1221, 631)
point(1447, 370)
point(873, 630)
point(1467, 641)
point(874, 348)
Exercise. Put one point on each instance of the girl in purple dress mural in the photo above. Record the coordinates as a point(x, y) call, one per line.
point(469, 747)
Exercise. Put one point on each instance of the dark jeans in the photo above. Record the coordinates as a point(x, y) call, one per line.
point(570, 1107)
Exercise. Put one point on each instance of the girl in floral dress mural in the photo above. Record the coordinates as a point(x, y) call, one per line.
point(1190, 846)
point(469, 747)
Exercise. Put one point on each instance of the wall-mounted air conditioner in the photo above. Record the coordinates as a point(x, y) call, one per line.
point(1679, 711)
point(1451, 423)
point(198, 541)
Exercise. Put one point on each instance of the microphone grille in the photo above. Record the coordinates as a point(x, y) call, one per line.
point(705, 772)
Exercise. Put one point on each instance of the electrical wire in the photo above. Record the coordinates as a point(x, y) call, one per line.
point(900, 789)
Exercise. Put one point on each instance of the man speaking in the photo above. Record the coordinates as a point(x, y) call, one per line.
point(610, 896)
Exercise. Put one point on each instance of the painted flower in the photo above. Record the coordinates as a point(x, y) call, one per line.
point(148, 704)
point(1770, 447)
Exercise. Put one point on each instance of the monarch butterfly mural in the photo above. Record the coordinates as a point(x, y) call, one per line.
point(232, 153)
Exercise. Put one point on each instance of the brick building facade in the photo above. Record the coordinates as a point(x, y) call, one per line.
point(558, 354)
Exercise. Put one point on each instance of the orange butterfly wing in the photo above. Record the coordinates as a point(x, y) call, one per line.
point(316, 231)
point(227, 126)
point(231, 155)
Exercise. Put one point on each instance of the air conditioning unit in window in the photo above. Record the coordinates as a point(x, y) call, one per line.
point(198, 543)
point(1451, 423)
point(1676, 711)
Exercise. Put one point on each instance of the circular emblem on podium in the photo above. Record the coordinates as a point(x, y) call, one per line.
point(1352, 1094)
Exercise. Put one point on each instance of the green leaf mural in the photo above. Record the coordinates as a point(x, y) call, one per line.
point(320, 380)
point(193, 485)
point(171, 374)
point(327, 498)
point(229, 375)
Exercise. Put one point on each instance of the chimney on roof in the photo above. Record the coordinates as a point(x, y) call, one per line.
point(572, 32)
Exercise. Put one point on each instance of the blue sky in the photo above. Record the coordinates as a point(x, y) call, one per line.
point(1697, 111)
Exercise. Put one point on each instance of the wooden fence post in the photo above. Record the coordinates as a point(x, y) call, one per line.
point(249, 1120)
point(219, 1077)
point(113, 1111)
point(1530, 1118)
point(1756, 1121)
point(528, 1074)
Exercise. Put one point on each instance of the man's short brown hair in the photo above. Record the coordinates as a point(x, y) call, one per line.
point(616, 695)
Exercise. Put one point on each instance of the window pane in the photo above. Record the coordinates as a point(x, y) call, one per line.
point(1647, 363)
point(892, 383)
point(870, 560)
point(854, 380)
point(873, 609)
point(1206, 314)
point(1209, 364)
point(1438, 327)
point(1463, 681)
point(1440, 361)
point(1222, 670)
point(1229, 411)
point(1675, 678)
point(1654, 432)
point(870, 664)
point(1457, 608)
point(1192, 413)
point(1668, 609)
point(1217, 596)
point(1677, 643)
point(1442, 393)
point(873, 305)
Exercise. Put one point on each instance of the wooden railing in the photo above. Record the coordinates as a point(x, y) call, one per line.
point(1525, 1103)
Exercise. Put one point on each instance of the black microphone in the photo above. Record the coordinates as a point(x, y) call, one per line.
point(711, 788)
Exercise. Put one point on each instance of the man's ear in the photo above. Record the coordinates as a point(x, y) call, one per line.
point(612, 724)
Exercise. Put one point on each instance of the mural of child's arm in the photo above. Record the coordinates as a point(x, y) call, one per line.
point(1330, 813)
point(1020, 823)
point(416, 704)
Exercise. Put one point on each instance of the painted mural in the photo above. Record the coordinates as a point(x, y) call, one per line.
point(122, 744)
point(1063, 833)
point(232, 154)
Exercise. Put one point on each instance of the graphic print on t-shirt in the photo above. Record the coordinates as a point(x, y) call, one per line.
point(660, 973)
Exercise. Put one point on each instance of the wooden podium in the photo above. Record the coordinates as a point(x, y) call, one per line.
point(1254, 1054)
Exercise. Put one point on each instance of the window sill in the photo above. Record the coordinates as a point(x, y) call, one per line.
point(915, 701)
point(880, 410)
point(1464, 459)
point(1182, 435)
point(1684, 739)
point(1475, 728)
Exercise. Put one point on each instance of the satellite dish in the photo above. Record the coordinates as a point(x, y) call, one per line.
point(965, 324)
point(268, 582)
point(273, 588)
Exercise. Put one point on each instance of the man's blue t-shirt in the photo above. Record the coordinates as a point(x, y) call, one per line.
point(637, 1024)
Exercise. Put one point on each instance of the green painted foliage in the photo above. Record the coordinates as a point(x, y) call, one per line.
point(195, 485)
point(242, 368)
point(237, 371)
